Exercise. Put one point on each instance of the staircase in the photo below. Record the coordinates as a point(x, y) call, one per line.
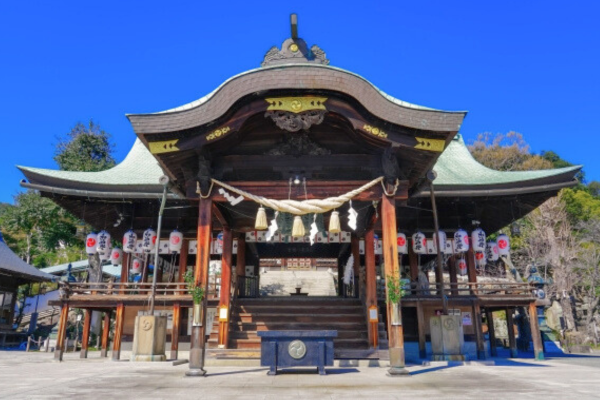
point(347, 316)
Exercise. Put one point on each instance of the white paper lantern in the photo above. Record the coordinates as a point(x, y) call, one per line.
point(491, 251)
point(136, 266)
point(104, 254)
point(461, 241)
point(478, 239)
point(91, 244)
point(148, 240)
point(419, 243)
point(449, 247)
point(402, 243)
point(129, 241)
point(116, 256)
point(461, 266)
point(104, 244)
point(503, 242)
point(480, 259)
point(439, 239)
point(175, 241)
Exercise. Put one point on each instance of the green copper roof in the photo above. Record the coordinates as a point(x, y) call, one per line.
point(139, 169)
point(457, 167)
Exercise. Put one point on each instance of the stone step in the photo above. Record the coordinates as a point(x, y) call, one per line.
point(307, 318)
point(262, 326)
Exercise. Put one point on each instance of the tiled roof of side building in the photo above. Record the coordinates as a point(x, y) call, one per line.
point(13, 265)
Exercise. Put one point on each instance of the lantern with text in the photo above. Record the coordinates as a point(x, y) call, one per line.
point(461, 241)
point(116, 256)
point(91, 244)
point(419, 243)
point(480, 259)
point(175, 241)
point(129, 241)
point(402, 243)
point(478, 239)
point(503, 242)
point(136, 266)
point(491, 251)
point(148, 240)
point(104, 244)
point(439, 240)
point(461, 266)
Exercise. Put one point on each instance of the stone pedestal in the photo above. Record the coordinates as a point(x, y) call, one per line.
point(447, 338)
point(149, 338)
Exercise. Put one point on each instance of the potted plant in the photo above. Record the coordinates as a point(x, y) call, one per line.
point(197, 293)
point(395, 291)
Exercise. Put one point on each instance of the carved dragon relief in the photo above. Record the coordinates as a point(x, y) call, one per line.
point(293, 122)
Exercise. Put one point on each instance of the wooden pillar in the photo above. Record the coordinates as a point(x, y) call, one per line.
point(489, 315)
point(471, 271)
point(175, 331)
point(510, 326)
point(198, 339)
point(538, 349)
point(421, 327)
point(225, 300)
point(124, 272)
point(183, 261)
point(85, 336)
point(392, 271)
point(240, 265)
point(478, 332)
point(453, 278)
point(62, 332)
point(105, 332)
point(370, 277)
point(413, 262)
point(119, 317)
point(355, 249)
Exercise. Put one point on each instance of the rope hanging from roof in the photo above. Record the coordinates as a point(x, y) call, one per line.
point(303, 207)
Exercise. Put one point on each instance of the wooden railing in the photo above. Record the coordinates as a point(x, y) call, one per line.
point(518, 289)
point(71, 289)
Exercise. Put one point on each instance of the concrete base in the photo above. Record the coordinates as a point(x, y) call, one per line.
point(448, 357)
point(398, 371)
point(195, 372)
point(149, 338)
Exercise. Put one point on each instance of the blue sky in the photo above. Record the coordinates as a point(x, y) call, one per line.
point(528, 66)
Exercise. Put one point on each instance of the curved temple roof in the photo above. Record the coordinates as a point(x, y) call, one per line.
point(11, 263)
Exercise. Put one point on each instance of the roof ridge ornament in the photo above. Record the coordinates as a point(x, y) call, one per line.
point(294, 50)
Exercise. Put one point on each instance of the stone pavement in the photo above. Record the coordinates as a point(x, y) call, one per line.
point(37, 376)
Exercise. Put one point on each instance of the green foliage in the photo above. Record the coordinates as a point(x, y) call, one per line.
point(581, 204)
point(85, 148)
point(196, 291)
point(395, 292)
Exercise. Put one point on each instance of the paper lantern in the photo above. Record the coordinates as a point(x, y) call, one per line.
point(116, 256)
point(461, 241)
point(503, 242)
point(91, 244)
point(175, 241)
point(419, 243)
point(104, 254)
point(461, 266)
point(449, 247)
point(402, 243)
point(491, 251)
point(439, 241)
point(480, 259)
point(129, 241)
point(148, 240)
point(104, 244)
point(478, 239)
point(136, 266)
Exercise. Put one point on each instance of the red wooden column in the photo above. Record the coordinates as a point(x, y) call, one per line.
point(198, 339)
point(119, 317)
point(105, 333)
point(370, 279)
point(124, 272)
point(355, 249)
point(471, 271)
point(225, 300)
point(453, 278)
point(510, 325)
point(175, 331)
point(85, 336)
point(538, 349)
point(478, 330)
point(62, 332)
point(392, 270)
point(421, 328)
point(240, 266)
point(183, 262)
